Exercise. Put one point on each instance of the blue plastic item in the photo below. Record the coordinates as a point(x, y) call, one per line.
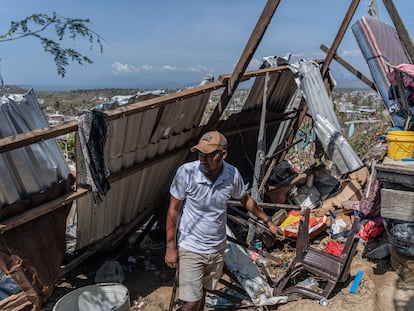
point(356, 282)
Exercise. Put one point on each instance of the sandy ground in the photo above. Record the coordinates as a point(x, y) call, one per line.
point(149, 282)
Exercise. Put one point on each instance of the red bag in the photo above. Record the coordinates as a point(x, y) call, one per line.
point(334, 248)
point(372, 229)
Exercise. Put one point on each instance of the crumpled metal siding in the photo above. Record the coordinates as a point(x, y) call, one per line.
point(326, 123)
point(133, 140)
point(32, 169)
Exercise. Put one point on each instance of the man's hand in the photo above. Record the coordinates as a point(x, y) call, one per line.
point(171, 252)
point(171, 257)
point(276, 231)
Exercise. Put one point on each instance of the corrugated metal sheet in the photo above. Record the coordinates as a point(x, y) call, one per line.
point(150, 134)
point(31, 169)
point(327, 126)
point(132, 140)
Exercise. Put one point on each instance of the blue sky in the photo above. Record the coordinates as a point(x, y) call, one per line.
point(159, 43)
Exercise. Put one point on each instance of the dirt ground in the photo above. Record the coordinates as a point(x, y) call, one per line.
point(149, 281)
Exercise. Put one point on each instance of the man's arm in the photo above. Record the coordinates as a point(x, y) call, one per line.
point(171, 253)
point(251, 205)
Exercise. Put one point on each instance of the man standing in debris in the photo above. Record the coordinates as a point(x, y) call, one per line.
point(200, 192)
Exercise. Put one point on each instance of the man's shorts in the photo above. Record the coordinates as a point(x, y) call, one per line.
point(198, 271)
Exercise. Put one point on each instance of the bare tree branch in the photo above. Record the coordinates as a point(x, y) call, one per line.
point(36, 24)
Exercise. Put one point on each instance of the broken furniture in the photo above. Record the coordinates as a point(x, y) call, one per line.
point(397, 209)
point(325, 267)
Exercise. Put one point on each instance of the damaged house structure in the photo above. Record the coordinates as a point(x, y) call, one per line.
point(127, 154)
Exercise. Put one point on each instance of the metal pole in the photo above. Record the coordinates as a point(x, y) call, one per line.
point(260, 158)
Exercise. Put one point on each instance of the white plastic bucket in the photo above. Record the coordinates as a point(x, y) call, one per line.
point(103, 296)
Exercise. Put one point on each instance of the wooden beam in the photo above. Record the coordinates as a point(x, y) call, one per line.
point(351, 69)
point(341, 32)
point(37, 135)
point(245, 58)
point(254, 73)
point(402, 32)
point(268, 205)
point(15, 221)
point(397, 204)
point(133, 108)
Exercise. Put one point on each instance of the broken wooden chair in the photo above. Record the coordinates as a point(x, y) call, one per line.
point(326, 268)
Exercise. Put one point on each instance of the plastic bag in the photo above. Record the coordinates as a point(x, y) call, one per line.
point(110, 272)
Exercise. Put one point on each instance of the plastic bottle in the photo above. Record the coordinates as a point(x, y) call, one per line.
point(257, 243)
point(256, 257)
point(259, 260)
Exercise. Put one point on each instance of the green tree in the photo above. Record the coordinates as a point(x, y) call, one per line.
point(72, 28)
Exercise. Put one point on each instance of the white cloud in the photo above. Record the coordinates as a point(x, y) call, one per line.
point(203, 68)
point(169, 68)
point(120, 68)
point(351, 53)
point(147, 67)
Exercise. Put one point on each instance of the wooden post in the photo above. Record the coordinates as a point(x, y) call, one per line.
point(339, 36)
point(260, 158)
point(351, 69)
point(244, 61)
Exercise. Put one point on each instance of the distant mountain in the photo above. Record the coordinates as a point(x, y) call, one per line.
point(350, 84)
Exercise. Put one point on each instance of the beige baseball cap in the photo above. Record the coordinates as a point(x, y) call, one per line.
point(210, 142)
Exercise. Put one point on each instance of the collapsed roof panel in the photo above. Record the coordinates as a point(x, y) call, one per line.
point(139, 141)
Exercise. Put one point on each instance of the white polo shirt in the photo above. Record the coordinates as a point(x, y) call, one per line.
point(202, 225)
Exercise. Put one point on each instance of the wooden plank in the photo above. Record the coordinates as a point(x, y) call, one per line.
point(399, 167)
point(244, 60)
point(341, 32)
point(275, 206)
point(37, 135)
point(40, 210)
point(255, 73)
point(396, 179)
point(144, 105)
point(351, 69)
point(397, 204)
